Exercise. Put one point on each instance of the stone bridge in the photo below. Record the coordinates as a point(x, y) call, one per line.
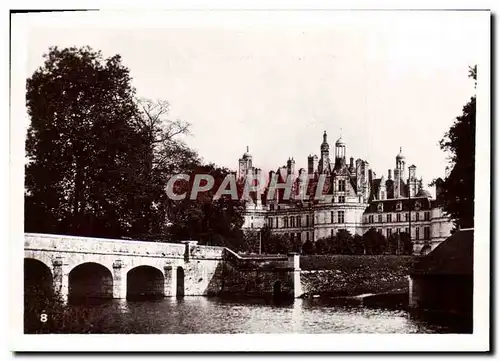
point(70, 266)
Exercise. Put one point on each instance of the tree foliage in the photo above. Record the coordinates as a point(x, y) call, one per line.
point(216, 222)
point(85, 155)
point(400, 243)
point(99, 159)
point(456, 194)
point(279, 243)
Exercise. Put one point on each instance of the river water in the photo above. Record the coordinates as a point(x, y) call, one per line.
point(215, 315)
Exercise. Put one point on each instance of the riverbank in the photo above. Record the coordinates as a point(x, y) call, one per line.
point(348, 276)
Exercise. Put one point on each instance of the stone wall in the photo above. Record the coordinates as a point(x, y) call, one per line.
point(342, 275)
point(256, 276)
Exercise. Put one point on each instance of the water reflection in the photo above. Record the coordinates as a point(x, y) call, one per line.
point(233, 315)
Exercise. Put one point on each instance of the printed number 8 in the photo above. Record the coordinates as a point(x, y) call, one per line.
point(43, 317)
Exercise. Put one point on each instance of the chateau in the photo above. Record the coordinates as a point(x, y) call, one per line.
point(353, 198)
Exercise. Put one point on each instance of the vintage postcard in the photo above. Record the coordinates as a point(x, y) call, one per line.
point(259, 180)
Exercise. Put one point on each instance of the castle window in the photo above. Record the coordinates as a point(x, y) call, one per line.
point(277, 222)
point(370, 219)
point(331, 217)
point(331, 232)
point(379, 218)
point(417, 216)
point(271, 207)
point(406, 217)
point(380, 207)
point(307, 220)
point(389, 232)
point(427, 216)
point(251, 225)
point(417, 233)
point(298, 221)
point(341, 199)
point(286, 222)
point(292, 222)
point(407, 230)
point(341, 216)
point(299, 237)
point(398, 217)
point(389, 218)
point(307, 236)
point(427, 233)
point(342, 185)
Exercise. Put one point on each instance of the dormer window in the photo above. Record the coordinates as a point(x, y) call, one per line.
point(380, 207)
point(418, 205)
point(399, 206)
point(342, 185)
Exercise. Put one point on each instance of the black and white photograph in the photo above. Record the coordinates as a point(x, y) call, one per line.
point(250, 174)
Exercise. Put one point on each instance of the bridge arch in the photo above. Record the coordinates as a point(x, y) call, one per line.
point(37, 278)
point(145, 281)
point(90, 280)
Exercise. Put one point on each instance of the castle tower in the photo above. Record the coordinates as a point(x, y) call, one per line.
point(324, 161)
point(339, 152)
point(244, 164)
point(400, 164)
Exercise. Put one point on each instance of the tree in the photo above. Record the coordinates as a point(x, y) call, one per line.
point(375, 242)
point(394, 245)
point(343, 243)
point(308, 247)
point(358, 243)
point(324, 245)
point(85, 154)
point(168, 155)
point(406, 243)
point(211, 221)
point(457, 189)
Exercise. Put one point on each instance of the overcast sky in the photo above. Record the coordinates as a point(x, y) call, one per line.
point(386, 79)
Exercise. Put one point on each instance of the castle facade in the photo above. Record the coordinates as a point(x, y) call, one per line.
point(352, 198)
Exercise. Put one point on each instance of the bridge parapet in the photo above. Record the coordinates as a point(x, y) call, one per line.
point(256, 262)
point(72, 244)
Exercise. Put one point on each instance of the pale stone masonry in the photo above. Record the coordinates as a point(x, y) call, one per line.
point(354, 199)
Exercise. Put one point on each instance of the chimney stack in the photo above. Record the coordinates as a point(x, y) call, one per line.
point(389, 175)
